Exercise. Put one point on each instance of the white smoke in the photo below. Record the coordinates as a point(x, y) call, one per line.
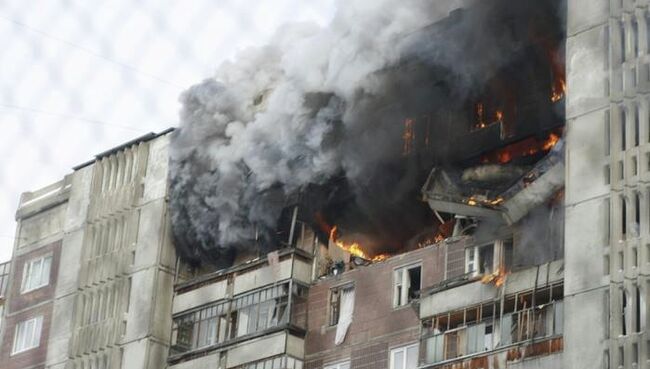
point(251, 133)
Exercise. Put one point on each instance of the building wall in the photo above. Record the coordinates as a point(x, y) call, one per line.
point(608, 136)
point(41, 225)
point(122, 309)
point(106, 227)
point(376, 326)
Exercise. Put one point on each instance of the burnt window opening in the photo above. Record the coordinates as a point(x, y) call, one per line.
point(486, 258)
point(406, 285)
point(336, 295)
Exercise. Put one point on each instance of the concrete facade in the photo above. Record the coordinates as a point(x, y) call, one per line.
point(107, 300)
point(607, 213)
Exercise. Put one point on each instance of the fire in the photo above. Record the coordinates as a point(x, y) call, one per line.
point(528, 147)
point(498, 116)
point(480, 116)
point(408, 136)
point(558, 90)
point(354, 248)
point(550, 142)
point(476, 200)
point(498, 277)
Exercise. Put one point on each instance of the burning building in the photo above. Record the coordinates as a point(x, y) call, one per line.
point(455, 184)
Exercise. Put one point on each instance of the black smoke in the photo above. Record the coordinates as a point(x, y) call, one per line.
point(317, 118)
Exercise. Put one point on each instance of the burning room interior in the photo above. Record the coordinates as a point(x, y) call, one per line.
point(460, 135)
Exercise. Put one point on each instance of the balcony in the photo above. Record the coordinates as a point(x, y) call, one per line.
point(529, 324)
point(250, 315)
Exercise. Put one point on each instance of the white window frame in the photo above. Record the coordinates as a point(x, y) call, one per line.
point(44, 276)
point(404, 349)
point(36, 329)
point(401, 279)
point(339, 365)
point(473, 258)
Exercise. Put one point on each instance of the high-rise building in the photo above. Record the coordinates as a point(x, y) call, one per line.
point(93, 267)
point(95, 282)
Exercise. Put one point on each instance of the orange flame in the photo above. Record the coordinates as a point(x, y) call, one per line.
point(498, 277)
point(474, 200)
point(354, 248)
point(558, 90)
point(498, 116)
point(526, 147)
point(480, 116)
point(408, 136)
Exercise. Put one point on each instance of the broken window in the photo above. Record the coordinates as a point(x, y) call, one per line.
point(480, 259)
point(335, 306)
point(404, 357)
point(406, 285)
point(260, 310)
point(346, 309)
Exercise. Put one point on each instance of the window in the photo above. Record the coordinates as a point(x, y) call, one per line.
point(246, 314)
point(28, 335)
point(480, 259)
point(4, 278)
point(36, 273)
point(335, 303)
point(406, 285)
point(404, 357)
point(343, 365)
point(493, 324)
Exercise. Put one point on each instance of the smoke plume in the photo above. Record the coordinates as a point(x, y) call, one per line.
point(321, 110)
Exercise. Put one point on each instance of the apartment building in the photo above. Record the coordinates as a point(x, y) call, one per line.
point(95, 283)
point(92, 270)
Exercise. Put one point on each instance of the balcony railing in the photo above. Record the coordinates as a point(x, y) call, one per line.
point(233, 320)
point(527, 325)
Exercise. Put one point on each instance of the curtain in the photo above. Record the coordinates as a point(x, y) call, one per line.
point(345, 317)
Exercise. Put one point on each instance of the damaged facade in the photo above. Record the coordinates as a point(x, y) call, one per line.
point(536, 256)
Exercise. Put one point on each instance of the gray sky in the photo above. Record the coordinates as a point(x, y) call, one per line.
point(81, 76)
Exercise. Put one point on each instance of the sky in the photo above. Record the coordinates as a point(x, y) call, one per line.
point(78, 77)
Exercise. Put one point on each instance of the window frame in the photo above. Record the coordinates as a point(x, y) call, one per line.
point(36, 327)
point(404, 349)
point(473, 264)
point(27, 271)
point(399, 282)
point(339, 288)
point(337, 365)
